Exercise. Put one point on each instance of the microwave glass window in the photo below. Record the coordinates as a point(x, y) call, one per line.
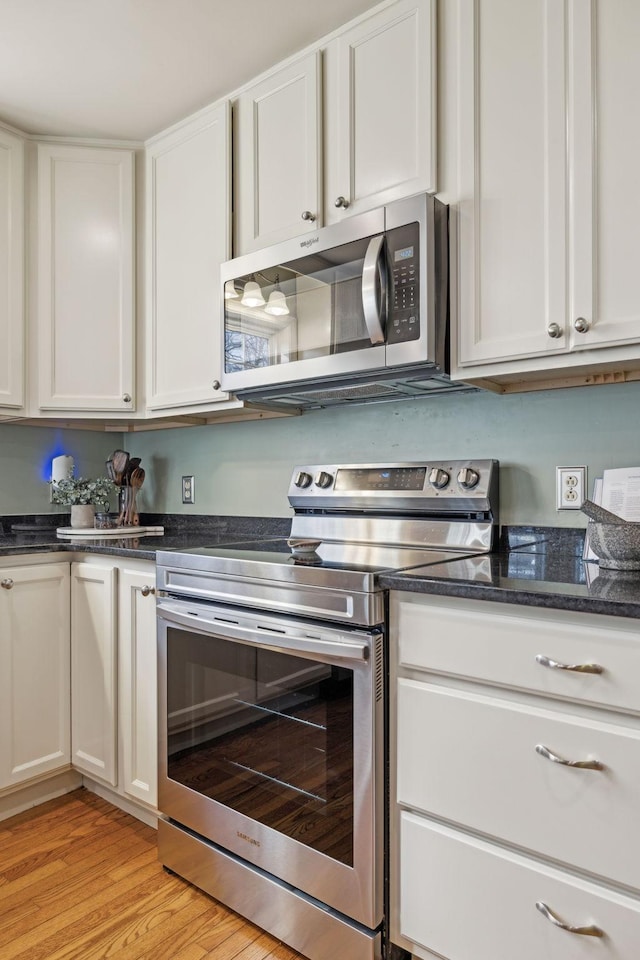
point(307, 308)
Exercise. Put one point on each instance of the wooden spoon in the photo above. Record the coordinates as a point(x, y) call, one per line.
point(136, 479)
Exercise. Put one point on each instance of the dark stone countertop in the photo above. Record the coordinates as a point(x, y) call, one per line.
point(535, 566)
point(180, 531)
point(540, 567)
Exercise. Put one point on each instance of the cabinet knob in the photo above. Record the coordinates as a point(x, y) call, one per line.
point(342, 202)
point(581, 325)
point(126, 398)
point(573, 667)
point(147, 591)
point(555, 331)
point(307, 215)
point(216, 385)
point(591, 931)
point(6, 584)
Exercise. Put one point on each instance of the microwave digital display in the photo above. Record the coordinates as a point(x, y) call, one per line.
point(405, 254)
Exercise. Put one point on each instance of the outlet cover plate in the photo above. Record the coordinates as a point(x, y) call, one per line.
point(571, 484)
point(188, 490)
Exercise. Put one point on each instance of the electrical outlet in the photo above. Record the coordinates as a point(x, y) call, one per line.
point(188, 490)
point(570, 487)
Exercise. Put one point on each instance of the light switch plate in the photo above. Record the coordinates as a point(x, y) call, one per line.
point(188, 490)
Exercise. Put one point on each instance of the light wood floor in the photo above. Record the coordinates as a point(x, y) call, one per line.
point(80, 879)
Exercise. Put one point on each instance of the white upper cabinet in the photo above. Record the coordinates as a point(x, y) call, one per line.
point(374, 98)
point(188, 187)
point(279, 155)
point(85, 293)
point(549, 207)
point(380, 109)
point(12, 321)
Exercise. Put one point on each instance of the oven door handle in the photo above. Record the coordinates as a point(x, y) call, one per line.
point(261, 636)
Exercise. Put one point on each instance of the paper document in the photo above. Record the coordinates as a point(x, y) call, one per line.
point(621, 492)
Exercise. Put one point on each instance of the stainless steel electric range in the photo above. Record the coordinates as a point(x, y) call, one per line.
point(272, 696)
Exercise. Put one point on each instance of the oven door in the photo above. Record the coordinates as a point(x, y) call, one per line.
point(271, 746)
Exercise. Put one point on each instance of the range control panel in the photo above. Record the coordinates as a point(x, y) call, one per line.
point(436, 486)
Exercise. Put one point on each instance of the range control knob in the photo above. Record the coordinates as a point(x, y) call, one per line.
point(324, 480)
point(302, 479)
point(439, 478)
point(468, 478)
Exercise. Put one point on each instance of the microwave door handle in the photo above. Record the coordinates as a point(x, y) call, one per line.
point(371, 271)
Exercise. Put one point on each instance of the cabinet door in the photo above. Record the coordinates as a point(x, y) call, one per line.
point(93, 670)
point(188, 229)
point(85, 278)
point(512, 167)
point(604, 143)
point(380, 109)
point(279, 161)
point(34, 671)
point(138, 683)
point(12, 337)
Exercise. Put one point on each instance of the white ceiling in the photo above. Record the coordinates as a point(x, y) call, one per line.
point(126, 69)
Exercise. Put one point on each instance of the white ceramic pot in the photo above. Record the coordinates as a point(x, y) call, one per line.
point(82, 514)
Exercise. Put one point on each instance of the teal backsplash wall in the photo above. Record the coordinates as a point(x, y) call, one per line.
point(244, 468)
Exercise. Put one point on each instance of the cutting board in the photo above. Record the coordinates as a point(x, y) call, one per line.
point(111, 532)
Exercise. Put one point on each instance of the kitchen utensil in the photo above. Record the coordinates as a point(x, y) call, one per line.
point(111, 473)
point(617, 545)
point(303, 548)
point(120, 459)
point(136, 479)
point(595, 512)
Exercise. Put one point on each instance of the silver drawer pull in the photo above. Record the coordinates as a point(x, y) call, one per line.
point(591, 931)
point(578, 764)
point(147, 591)
point(7, 584)
point(574, 667)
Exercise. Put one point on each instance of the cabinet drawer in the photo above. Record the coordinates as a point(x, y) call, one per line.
point(472, 760)
point(466, 900)
point(499, 643)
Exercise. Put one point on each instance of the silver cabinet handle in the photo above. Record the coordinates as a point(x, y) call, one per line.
point(577, 764)
point(581, 325)
point(307, 215)
point(126, 398)
point(573, 667)
point(6, 584)
point(591, 931)
point(342, 202)
point(146, 591)
point(555, 331)
point(216, 385)
point(374, 307)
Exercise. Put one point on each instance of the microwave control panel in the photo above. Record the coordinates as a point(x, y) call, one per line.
point(403, 248)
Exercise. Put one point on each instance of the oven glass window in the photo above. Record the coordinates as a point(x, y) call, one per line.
point(268, 734)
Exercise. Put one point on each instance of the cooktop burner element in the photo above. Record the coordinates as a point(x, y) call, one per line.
point(362, 520)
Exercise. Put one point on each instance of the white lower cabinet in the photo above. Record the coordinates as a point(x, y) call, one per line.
point(93, 670)
point(466, 898)
point(113, 670)
point(34, 670)
point(514, 783)
point(137, 682)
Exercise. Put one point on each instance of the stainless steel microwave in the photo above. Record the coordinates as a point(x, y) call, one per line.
point(355, 311)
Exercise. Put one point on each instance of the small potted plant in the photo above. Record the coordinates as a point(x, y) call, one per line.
point(83, 496)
